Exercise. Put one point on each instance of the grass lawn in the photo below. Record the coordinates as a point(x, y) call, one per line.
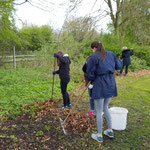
point(134, 94)
point(24, 86)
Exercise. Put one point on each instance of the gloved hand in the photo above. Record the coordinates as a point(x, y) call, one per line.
point(90, 86)
point(56, 55)
point(54, 72)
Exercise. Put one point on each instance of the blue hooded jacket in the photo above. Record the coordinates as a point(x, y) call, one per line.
point(126, 56)
point(102, 75)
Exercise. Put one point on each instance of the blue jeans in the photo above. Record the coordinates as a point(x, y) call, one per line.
point(102, 105)
point(91, 100)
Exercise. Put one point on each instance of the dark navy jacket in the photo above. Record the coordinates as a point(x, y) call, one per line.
point(64, 67)
point(102, 75)
point(126, 56)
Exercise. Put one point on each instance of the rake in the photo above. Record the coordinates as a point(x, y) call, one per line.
point(62, 122)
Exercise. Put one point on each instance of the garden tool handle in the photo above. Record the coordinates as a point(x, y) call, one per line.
point(77, 101)
point(53, 79)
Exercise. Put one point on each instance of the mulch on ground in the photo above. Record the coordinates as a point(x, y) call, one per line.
point(140, 73)
point(43, 129)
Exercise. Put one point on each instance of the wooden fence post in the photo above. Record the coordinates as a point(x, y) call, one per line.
point(14, 58)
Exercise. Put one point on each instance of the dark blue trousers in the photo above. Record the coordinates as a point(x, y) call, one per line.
point(91, 100)
point(126, 70)
point(63, 83)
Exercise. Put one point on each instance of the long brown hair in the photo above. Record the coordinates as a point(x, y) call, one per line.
point(60, 53)
point(100, 49)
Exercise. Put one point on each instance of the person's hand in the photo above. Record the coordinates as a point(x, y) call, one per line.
point(131, 48)
point(56, 55)
point(90, 86)
point(54, 72)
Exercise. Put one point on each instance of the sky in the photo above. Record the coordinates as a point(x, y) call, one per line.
point(54, 12)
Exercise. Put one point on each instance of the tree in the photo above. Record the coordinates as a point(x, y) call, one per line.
point(81, 28)
point(115, 16)
point(128, 16)
point(34, 37)
point(46, 34)
point(138, 27)
point(8, 32)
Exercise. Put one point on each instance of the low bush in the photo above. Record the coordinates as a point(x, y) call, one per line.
point(137, 64)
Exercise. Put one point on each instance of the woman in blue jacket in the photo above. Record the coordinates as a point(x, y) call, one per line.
point(100, 70)
point(126, 53)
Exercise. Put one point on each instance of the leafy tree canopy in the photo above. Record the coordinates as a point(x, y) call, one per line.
point(34, 37)
point(8, 32)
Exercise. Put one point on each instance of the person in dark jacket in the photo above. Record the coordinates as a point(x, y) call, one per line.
point(100, 70)
point(126, 53)
point(63, 71)
point(90, 88)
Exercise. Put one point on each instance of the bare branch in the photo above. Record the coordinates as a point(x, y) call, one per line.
point(38, 7)
point(20, 3)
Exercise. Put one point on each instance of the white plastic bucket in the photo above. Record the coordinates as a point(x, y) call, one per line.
point(118, 117)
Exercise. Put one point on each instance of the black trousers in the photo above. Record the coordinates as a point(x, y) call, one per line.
point(126, 70)
point(63, 83)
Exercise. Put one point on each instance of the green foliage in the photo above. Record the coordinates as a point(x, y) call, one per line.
point(35, 37)
point(67, 44)
point(143, 52)
point(138, 22)
point(87, 52)
point(111, 43)
point(137, 64)
point(39, 133)
point(47, 127)
point(23, 86)
point(19, 87)
point(8, 33)
point(46, 34)
point(70, 46)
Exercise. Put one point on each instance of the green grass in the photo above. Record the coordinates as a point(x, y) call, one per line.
point(23, 86)
point(133, 94)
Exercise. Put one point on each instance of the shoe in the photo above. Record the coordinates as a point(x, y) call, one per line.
point(69, 105)
point(109, 134)
point(91, 113)
point(126, 74)
point(98, 139)
point(63, 107)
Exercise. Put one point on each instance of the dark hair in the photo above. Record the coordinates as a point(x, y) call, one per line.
point(60, 53)
point(100, 49)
